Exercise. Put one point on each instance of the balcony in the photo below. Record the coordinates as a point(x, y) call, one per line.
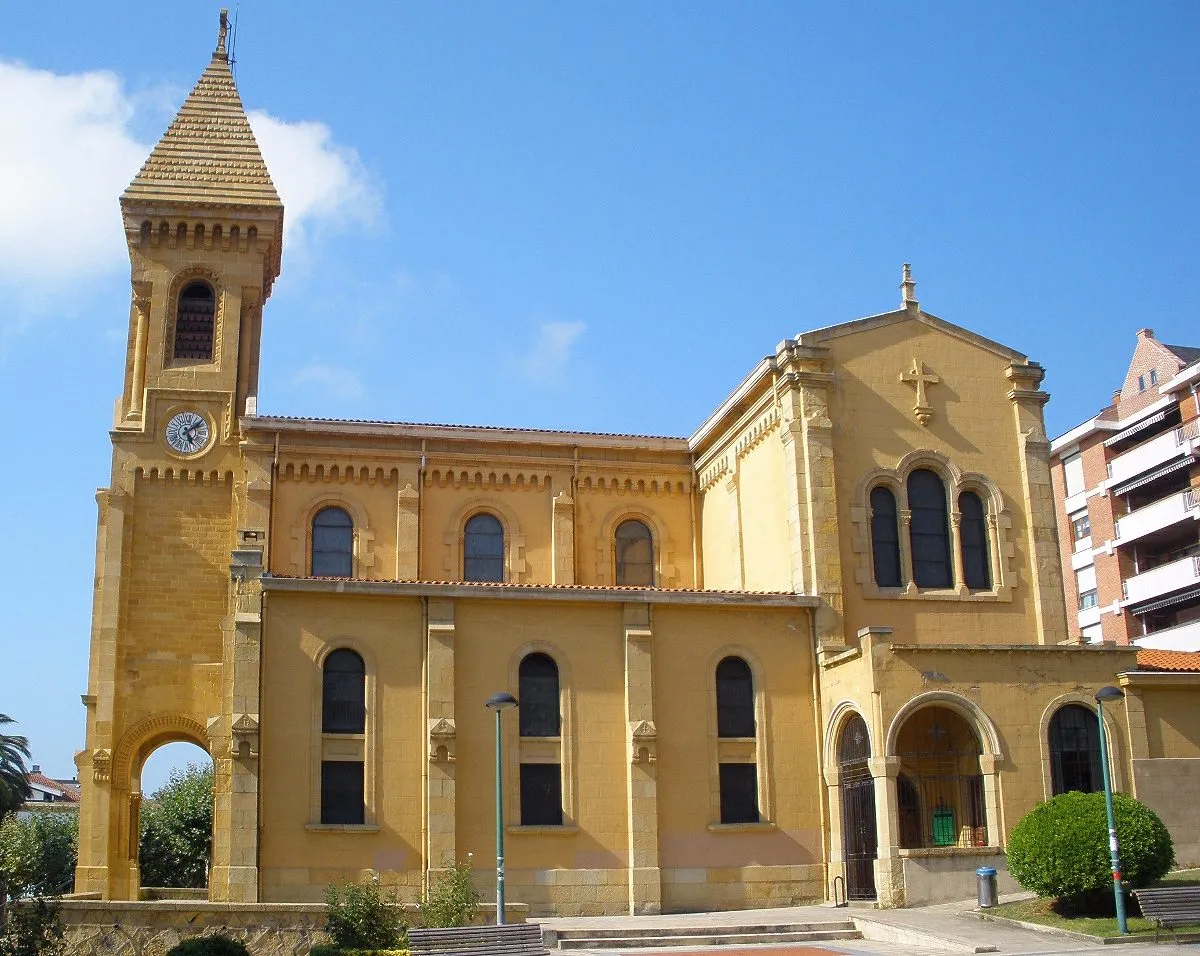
point(1162, 580)
point(1155, 517)
point(1157, 451)
point(1182, 637)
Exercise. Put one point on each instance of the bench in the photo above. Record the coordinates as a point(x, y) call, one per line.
point(1170, 906)
point(520, 939)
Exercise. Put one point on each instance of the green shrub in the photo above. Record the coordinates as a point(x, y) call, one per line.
point(32, 928)
point(452, 900)
point(209, 946)
point(363, 916)
point(1060, 848)
point(329, 950)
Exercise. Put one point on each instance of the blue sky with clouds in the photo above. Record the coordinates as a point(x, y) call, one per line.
point(594, 216)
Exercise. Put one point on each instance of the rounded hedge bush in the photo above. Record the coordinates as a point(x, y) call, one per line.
point(209, 946)
point(1060, 848)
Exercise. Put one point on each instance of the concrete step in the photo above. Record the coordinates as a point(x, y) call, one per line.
point(716, 935)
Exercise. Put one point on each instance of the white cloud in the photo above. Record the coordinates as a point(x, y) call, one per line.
point(337, 382)
point(68, 151)
point(547, 362)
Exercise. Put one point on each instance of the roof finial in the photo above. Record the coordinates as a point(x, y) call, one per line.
point(219, 53)
point(909, 300)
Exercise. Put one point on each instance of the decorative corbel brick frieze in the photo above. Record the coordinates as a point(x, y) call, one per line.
point(102, 765)
point(442, 734)
point(643, 741)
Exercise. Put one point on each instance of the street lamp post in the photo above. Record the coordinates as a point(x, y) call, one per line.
point(1103, 694)
point(500, 703)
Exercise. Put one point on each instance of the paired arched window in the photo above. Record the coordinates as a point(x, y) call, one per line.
point(1075, 751)
point(541, 781)
point(538, 694)
point(343, 711)
point(738, 779)
point(635, 554)
point(885, 538)
point(195, 317)
point(973, 538)
point(332, 544)
point(929, 530)
point(483, 549)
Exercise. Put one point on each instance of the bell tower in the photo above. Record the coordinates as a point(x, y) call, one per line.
point(182, 526)
point(204, 227)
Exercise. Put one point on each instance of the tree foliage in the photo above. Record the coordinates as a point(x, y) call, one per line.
point(176, 830)
point(364, 916)
point(38, 853)
point(14, 752)
point(32, 929)
point(1060, 848)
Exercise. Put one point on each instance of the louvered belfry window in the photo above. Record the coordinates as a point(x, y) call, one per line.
point(194, 322)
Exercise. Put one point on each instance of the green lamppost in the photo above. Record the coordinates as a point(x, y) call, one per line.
point(1103, 694)
point(500, 703)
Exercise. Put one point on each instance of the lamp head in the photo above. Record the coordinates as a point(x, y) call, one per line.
point(1109, 693)
point(500, 702)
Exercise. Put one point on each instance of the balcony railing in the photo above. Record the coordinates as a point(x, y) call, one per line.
point(1162, 580)
point(1154, 517)
point(1182, 637)
point(1162, 448)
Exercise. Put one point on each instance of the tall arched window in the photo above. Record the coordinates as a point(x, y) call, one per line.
point(885, 538)
point(344, 693)
point(541, 780)
point(635, 554)
point(929, 531)
point(194, 318)
point(332, 544)
point(735, 698)
point(483, 549)
point(973, 535)
point(538, 694)
point(1075, 751)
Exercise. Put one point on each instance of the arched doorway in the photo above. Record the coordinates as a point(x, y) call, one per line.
point(860, 840)
point(173, 803)
point(939, 788)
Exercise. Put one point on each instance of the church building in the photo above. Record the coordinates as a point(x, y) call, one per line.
point(818, 646)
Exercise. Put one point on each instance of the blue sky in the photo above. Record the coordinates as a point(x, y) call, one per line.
point(594, 216)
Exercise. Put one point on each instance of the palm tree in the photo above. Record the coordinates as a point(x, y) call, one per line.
point(14, 751)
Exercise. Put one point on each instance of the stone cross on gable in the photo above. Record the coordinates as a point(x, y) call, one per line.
point(918, 377)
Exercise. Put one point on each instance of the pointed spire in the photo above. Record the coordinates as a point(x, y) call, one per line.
point(209, 153)
point(909, 299)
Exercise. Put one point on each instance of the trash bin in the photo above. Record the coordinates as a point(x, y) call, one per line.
point(987, 886)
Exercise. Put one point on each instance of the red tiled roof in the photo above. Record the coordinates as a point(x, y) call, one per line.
point(532, 586)
point(264, 421)
point(69, 792)
point(1151, 660)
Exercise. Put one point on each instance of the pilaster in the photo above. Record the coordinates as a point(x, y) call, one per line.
point(440, 846)
point(641, 798)
point(562, 542)
point(408, 509)
point(889, 869)
point(1041, 526)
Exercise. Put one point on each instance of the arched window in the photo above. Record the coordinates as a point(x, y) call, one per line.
point(194, 318)
point(735, 698)
point(344, 693)
point(973, 535)
point(635, 554)
point(929, 531)
point(538, 694)
point(332, 544)
point(483, 549)
point(885, 538)
point(939, 787)
point(1075, 751)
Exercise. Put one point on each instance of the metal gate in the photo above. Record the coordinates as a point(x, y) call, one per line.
point(860, 841)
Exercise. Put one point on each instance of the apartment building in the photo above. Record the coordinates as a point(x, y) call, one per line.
point(1127, 498)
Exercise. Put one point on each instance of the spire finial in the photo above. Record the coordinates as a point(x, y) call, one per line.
point(220, 52)
point(909, 299)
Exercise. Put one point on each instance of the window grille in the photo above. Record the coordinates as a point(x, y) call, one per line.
point(939, 790)
point(1075, 751)
point(194, 318)
point(483, 549)
point(332, 544)
point(538, 693)
point(343, 697)
point(635, 554)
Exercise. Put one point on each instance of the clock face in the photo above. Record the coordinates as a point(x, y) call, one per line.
point(187, 433)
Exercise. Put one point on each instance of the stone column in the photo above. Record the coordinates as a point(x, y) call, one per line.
point(989, 769)
point(906, 565)
point(1041, 526)
point(440, 777)
point(641, 797)
point(956, 558)
point(562, 541)
point(408, 505)
point(137, 378)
